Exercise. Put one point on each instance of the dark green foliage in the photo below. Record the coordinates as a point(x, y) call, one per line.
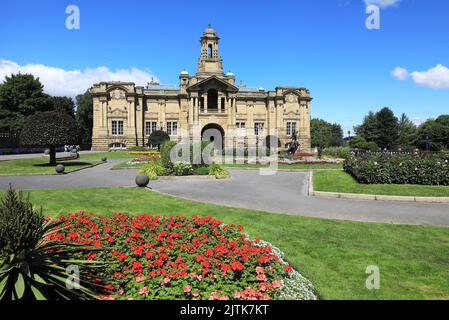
point(407, 133)
point(387, 129)
point(325, 134)
point(358, 142)
point(84, 118)
point(32, 267)
point(64, 105)
point(338, 153)
point(201, 171)
point(20, 225)
point(157, 138)
point(438, 133)
point(165, 154)
point(21, 95)
point(49, 129)
point(380, 168)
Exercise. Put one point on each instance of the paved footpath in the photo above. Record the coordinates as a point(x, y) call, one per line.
point(284, 192)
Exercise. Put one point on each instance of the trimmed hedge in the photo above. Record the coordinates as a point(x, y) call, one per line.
point(339, 152)
point(378, 168)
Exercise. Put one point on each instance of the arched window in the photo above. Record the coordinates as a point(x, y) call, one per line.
point(209, 50)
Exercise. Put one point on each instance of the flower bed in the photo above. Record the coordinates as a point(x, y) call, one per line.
point(154, 257)
point(378, 168)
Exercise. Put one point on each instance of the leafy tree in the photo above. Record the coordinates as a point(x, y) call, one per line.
point(358, 142)
point(63, 104)
point(21, 95)
point(437, 132)
point(368, 129)
point(325, 134)
point(85, 118)
point(381, 127)
point(157, 138)
point(407, 133)
point(49, 129)
point(387, 128)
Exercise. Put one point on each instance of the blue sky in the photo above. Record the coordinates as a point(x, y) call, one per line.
point(320, 44)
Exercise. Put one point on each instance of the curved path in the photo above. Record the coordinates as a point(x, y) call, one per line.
point(284, 192)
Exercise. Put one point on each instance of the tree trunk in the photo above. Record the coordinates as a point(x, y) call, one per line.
point(53, 156)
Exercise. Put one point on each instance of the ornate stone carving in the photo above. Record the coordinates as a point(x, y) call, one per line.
point(118, 94)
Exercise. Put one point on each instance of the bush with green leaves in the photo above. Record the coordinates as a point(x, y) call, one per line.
point(183, 169)
point(33, 267)
point(201, 171)
point(218, 171)
point(166, 148)
point(157, 138)
point(154, 169)
point(383, 168)
point(337, 153)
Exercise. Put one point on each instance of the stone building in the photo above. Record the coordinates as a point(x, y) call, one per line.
point(126, 114)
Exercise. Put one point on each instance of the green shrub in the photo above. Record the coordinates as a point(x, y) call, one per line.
point(154, 169)
point(183, 169)
point(33, 266)
point(218, 171)
point(380, 168)
point(157, 138)
point(201, 171)
point(165, 154)
point(337, 153)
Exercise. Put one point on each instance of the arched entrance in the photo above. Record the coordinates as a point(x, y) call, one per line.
point(215, 133)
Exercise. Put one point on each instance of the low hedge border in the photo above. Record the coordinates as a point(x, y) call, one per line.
point(371, 197)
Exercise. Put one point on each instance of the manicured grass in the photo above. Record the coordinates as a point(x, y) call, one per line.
point(125, 165)
point(340, 181)
point(333, 254)
point(109, 155)
point(39, 166)
point(287, 166)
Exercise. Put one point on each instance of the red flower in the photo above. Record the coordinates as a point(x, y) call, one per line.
point(288, 268)
point(237, 266)
point(187, 288)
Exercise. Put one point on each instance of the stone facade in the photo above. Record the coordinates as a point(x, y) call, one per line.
point(125, 114)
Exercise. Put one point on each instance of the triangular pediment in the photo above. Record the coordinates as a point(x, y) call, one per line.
point(213, 82)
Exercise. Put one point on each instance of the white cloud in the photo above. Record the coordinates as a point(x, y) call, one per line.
point(61, 82)
point(382, 3)
point(435, 78)
point(400, 73)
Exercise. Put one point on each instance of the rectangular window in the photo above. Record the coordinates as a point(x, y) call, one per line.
point(117, 128)
point(241, 131)
point(291, 128)
point(150, 126)
point(258, 128)
point(172, 128)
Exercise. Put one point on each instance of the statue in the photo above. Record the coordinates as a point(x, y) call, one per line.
point(294, 145)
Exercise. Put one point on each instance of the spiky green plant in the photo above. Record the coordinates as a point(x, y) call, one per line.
point(33, 267)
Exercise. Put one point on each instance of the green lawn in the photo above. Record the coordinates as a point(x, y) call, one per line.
point(333, 254)
point(40, 166)
point(340, 181)
point(287, 166)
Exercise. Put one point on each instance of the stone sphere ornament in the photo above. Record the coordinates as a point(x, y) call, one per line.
point(142, 180)
point(60, 169)
point(104, 159)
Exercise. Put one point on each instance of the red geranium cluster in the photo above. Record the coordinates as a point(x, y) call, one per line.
point(175, 257)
